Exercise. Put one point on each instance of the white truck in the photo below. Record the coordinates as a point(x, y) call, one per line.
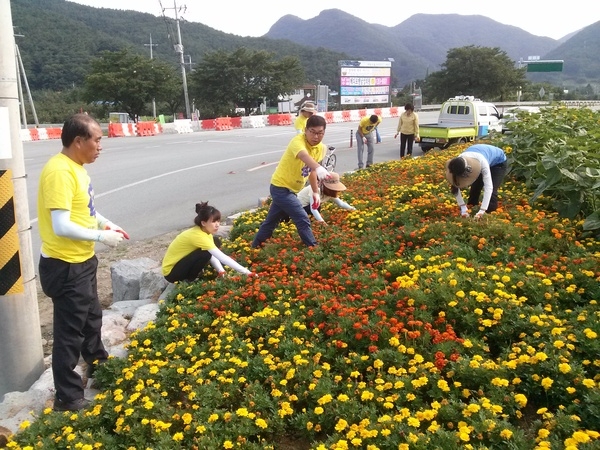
point(462, 119)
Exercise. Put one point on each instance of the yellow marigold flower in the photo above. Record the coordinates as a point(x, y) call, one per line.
point(506, 434)
point(227, 444)
point(178, 436)
point(547, 383)
point(589, 383)
point(261, 423)
point(564, 368)
point(319, 410)
point(460, 294)
point(24, 425)
point(590, 334)
point(341, 425)
point(213, 418)
point(521, 400)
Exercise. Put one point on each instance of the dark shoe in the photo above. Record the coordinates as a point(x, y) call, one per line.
point(75, 405)
point(91, 368)
point(369, 165)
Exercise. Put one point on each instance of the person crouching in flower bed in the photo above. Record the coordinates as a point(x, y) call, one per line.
point(481, 166)
point(330, 190)
point(194, 248)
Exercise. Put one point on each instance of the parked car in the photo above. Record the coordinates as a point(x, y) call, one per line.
point(511, 114)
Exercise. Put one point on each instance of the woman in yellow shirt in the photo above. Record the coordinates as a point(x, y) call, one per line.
point(194, 248)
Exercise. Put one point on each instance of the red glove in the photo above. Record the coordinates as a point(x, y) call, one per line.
point(316, 200)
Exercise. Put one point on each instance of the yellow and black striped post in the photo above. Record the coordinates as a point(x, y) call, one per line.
point(11, 279)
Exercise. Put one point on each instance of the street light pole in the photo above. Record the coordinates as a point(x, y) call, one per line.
point(179, 49)
point(151, 57)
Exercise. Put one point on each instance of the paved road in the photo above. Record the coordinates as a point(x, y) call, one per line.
point(150, 185)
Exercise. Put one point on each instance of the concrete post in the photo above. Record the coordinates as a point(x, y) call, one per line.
point(21, 353)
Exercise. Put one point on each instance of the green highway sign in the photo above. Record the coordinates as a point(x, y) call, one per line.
point(545, 66)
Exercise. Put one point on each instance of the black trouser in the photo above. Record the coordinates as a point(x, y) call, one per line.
point(191, 266)
point(497, 172)
point(406, 142)
point(77, 321)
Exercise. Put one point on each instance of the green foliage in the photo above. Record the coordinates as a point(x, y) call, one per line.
point(484, 72)
point(128, 81)
point(250, 75)
point(556, 153)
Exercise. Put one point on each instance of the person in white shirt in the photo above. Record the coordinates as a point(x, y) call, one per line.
point(481, 166)
point(330, 190)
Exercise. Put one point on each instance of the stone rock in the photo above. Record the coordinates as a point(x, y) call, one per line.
point(126, 276)
point(152, 283)
point(142, 316)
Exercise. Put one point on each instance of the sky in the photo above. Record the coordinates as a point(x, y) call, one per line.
point(251, 18)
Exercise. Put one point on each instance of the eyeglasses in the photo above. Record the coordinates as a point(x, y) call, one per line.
point(316, 133)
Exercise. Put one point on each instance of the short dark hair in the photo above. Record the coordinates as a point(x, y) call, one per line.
point(316, 121)
point(206, 213)
point(76, 125)
point(374, 118)
point(409, 106)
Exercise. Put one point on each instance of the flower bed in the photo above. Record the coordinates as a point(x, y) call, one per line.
point(408, 327)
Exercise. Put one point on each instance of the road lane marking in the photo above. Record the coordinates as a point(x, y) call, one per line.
point(262, 166)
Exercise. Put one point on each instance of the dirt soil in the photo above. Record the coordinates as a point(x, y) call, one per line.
point(154, 249)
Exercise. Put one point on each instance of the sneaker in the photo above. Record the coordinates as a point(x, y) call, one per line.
point(91, 368)
point(74, 405)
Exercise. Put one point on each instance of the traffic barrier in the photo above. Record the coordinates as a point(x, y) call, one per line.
point(42, 134)
point(183, 126)
point(253, 122)
point(280, 119)
point(223, 124)
point(208, 124)
point(157, 128)
point(236, 122)
point(128, 129)
point(346, 116)
point(35, 135)
point(362, 113)
point(328, 117)
point(25, 135)
point(394, 111)
point(355, 115)
point(54, 133)
point(338, 117)
point(144, 129)
point(115, 130)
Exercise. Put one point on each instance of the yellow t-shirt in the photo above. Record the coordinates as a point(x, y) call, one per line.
point(366, 126)
point(185, 243)
point(291, 172)
point(64, 184)
point(300, 123)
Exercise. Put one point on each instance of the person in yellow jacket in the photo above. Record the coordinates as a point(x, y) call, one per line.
point(365, 133)
point(306, 110)
point(408, 128)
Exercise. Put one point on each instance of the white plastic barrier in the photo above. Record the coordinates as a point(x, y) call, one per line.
point(183, 126)
point(338, 117)
point(25, 135)
point(43, 134)
point(253, 122)
point(386, 113)
point(354, 115)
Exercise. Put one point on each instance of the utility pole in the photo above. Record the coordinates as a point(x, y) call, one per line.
point(23, 76)
point(21, 350)
point(179, 49)
point(153, 100)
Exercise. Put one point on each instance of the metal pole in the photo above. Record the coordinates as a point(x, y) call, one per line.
point(21, 350)
point(21, 99)
point(35, 118)
point(179, 49)
point(151, 57)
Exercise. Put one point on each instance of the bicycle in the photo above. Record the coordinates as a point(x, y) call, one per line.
point(329, 160)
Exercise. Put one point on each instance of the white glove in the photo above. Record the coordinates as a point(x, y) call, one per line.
point(110, 237)
point(479, 214)
point(112, 226)
point(464, 212)
point(316, 200)
point(322, 172)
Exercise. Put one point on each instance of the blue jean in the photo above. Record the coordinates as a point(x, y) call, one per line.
point(360, 147)
point(284, 204)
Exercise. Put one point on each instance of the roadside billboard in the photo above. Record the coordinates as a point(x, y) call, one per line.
point(365, 82)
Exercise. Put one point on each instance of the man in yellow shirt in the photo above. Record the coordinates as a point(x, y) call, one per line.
point(299, 162)
point(69, 227)
point(365, 132)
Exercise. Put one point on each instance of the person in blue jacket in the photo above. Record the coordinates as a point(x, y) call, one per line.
point(481, 166)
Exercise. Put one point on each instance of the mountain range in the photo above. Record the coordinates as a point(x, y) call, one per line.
point(57, 39)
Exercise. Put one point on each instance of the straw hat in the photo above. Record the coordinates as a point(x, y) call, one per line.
point(334, 183)
point(308, 107)
point(468, 170)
